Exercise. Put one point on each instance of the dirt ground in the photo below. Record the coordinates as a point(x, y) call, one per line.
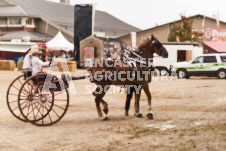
point(188, 115)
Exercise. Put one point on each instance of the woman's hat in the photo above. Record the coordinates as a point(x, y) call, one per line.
point(34, 50)
point(37, 52)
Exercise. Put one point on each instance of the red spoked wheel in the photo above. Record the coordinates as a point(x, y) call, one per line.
point(43, 99)
point(12, 97)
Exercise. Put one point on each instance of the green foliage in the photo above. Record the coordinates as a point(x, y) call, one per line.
point(183, 30)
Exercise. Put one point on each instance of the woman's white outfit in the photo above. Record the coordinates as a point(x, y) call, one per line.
point(37, 64)
point(27, 62)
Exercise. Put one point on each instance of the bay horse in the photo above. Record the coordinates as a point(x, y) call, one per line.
point(120, 75)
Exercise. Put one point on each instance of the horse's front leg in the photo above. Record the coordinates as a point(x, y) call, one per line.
point(137, 103)
point(147, 92)
point(97, 101)
point(105, 106)
point(99, 93)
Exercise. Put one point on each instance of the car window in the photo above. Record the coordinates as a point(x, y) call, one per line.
point(198, 60)
point(210, 59)
point(223, 58)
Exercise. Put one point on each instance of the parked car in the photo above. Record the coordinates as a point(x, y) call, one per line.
point(178, 52)
point(203, 65)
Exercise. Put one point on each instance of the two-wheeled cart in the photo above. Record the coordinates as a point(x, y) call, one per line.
point(42, 99)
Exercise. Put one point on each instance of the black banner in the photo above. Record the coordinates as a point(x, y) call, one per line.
point(82, 27)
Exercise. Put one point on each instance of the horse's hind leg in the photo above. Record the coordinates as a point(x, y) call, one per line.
point(147, 92)
point(128, 99)
point(137, 104)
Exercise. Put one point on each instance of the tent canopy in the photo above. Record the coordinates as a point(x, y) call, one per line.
point(59, 42)
point(14, 48)
point(20, 47)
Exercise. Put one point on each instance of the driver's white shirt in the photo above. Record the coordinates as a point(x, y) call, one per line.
point(27, 62)
point(37, 65)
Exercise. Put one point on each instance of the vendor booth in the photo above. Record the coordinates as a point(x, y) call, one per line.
point(90, 48)
point(93, 47)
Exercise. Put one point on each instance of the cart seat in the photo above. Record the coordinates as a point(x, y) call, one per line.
point(27, 73)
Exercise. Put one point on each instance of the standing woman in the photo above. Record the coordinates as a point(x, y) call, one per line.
point(37, 63)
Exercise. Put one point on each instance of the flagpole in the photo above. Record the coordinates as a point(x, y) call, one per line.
point(47, 24)
point(203, 21)
point(217, 20)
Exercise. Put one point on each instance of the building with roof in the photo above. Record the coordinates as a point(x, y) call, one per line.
point(25, 22)
point(20, 18)
point(162, 32)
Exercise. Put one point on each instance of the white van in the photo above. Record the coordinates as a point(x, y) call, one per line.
point(177, 52)
point(204, 65)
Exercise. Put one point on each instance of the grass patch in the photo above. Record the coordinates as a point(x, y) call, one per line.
point(137, 132)
point(209, 137)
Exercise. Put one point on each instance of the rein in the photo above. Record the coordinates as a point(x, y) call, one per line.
point(140, 58)
point(161, 52)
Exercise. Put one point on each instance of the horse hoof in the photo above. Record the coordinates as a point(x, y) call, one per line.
point(126, 114)
point(140, 115)
point(150, 115)
point(105, 110)
point(106, 119)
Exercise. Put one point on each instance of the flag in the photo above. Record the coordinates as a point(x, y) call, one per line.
point(177, 39)
point(217, 19)
point(47, 24)
point(203, 21)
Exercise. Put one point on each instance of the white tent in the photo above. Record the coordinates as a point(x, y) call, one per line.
point(59, 42)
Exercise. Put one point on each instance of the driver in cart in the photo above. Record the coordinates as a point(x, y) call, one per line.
point(27, 67)
point(32, 63)
point(37, 63)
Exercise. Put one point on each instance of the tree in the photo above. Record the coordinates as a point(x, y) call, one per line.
point(183, 31)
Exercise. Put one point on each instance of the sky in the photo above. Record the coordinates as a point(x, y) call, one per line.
point(146, 14)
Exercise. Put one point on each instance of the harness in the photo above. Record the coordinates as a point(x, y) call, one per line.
point(133, 60)
point(136, 59)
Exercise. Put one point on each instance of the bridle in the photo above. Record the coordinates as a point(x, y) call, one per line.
point(156, 43)
point(161, 52)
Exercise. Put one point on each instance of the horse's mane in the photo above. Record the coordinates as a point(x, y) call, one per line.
point(141, 45)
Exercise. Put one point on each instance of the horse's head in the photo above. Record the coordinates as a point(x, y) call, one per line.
point(158, 47)
point(150, 46)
